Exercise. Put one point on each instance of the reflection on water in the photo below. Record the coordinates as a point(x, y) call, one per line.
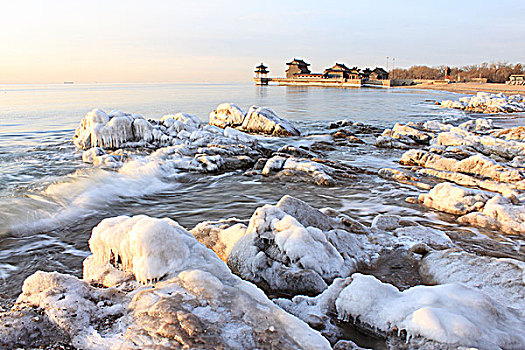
point(38, 160)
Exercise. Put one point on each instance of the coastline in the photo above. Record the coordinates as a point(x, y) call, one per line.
point(471, 88)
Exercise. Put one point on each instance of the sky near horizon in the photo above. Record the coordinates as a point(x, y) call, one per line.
point(51, 41)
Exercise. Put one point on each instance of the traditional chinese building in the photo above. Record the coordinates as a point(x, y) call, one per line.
point(340, 71)
point(339, 75)
point(378, 74)
point(261, 75)
point(297, 67)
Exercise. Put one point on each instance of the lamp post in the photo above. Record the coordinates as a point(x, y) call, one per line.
point(387, 63)
point(393, 67)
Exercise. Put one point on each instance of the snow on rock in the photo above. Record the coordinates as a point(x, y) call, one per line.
point(257, 120)
point(197, 304)
point(502, 279)
point(478, 208)
point(319, 171)
point(287, 248)
point(115, 130)
point(184, 118)
point(454, 199)
point(450, 313)
point(516, 133)
point(484, 102)
point(179, 142)
point(487, 145)
point(477, 165)
point(144, 246)
point(499, 213)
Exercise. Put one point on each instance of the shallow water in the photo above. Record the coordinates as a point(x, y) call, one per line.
point(50, 200)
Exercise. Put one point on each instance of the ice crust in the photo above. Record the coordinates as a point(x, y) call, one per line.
point(198, 303)
point(503, 279)
point(482, 168)
point(484, 102)
point(257, 120)
point(449, 313)
point(293, 248)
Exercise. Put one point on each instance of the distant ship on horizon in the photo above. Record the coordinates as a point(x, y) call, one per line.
point(69, 82)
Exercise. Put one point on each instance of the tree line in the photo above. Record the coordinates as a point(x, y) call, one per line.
point(493, 72)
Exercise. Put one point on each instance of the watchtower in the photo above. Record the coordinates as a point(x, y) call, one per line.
point(261, 75)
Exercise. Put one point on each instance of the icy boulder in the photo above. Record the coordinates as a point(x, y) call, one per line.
point(478, 208)
point(257, 120)
point(499, 213)
point(197, 304)
point(184, 118)
point(144, 246)
point(516, 133)
point(450, 313)
point(502, 279)
point(227, 114)
point(288, 248)
point(454, 199)
point(484, 102)
point(487, 145)
point(115, 130)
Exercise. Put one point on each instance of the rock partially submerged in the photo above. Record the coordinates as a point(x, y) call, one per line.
point(292, 248)
point(479, 208)
point(482, 169)
point(484, 102)
point(283, 248)
point(257, 120)
point(179, 142)
point(198, 303)
point(503, 279)
point(449, 313)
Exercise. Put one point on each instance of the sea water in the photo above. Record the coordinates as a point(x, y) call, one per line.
point(50, 200)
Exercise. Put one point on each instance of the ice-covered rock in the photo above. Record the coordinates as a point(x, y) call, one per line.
point(516, 133)
point(284, 248)
point(478, 208)
point(401, 132)
point(502, 279)
point(184, 118)
point(257, 120)
point(115, 130)
point(449, 313)
point(478, 165)
point(179, 142)
point(484, 102)
point(454, 199)
point(409, 233)
point(403, 137)
point(319, 171)
point(198, 303)
point(499, 213)
point(402, 177)
point(487, 145)
point(477, 125)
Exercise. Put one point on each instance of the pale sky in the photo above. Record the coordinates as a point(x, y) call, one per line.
point(222, 41)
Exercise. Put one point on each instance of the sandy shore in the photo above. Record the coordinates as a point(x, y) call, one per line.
point(472, 88)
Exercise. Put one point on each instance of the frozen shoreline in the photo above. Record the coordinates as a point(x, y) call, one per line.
point(285, 233)
point(471, 88)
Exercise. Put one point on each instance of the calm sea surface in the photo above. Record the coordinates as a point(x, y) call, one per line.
point(50, 200)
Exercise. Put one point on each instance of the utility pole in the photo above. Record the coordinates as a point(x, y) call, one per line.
point(393, 67)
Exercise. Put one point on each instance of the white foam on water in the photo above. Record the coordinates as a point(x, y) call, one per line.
point(82, 194)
